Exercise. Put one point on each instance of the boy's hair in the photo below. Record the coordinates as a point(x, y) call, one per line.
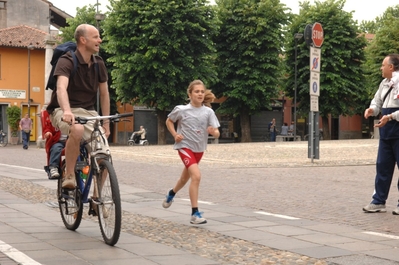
point(209, 96)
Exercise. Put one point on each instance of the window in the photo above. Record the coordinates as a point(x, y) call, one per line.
point(2, 4)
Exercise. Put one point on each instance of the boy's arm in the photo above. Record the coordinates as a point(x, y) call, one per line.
point(214, 132)
point(171, 128)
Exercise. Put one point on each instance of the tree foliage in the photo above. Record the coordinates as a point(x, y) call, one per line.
point(373, 26)
point(368, 26)
point(84, 15)
point(249, 46)
point(385, 42)
point(158, 47)
point(342, 53)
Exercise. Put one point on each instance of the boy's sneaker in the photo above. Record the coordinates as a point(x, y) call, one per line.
point(396, 211)
point(54, 174)
point(374, 208)
point(168, 200)
point(197, 218)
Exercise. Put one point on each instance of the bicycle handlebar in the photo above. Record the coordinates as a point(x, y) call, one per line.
point(115, 117)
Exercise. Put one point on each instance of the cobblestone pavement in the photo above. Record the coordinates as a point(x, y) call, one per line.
point(273, 177)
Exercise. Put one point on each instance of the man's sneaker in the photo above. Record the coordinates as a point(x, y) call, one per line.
point(69, 182)
point(197, 218)
point(168, 200)
point(396, 211)
point(374, 208)
point(54, 174)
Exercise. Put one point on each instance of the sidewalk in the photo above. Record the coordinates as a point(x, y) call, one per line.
point(31, 224)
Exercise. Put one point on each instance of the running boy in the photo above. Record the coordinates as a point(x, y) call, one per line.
point(195, 121)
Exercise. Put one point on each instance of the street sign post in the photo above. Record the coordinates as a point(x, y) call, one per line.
point(315, 59)
point(317, 35)
point(314, 90)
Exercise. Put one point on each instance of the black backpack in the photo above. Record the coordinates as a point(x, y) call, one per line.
point(60, 50)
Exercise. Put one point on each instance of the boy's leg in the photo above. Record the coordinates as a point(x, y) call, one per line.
point(55, 154)
point(54, 161)
point(195, 175)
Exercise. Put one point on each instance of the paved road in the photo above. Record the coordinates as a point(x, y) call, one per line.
point(276, 178)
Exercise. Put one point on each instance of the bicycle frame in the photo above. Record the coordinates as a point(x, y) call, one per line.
point(105, 199)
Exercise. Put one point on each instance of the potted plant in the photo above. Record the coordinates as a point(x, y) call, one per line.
point(13, 116)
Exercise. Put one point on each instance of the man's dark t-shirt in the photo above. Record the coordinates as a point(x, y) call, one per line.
point(83, 86)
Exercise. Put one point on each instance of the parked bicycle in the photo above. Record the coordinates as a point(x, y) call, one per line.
point(3, 139)
point(93, 165)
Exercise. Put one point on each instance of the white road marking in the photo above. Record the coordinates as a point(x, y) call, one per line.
point(16, 255)
point(381, 234)
point(202, 202)
point(35, 169)
point(278, 215)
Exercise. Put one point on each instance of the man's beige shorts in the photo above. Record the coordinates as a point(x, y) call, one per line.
point(64, 127)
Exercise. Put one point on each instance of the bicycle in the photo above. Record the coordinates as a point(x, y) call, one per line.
point(93, 165)
point(3, 139)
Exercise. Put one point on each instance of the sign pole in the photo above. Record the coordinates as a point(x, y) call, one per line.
point(317, 34)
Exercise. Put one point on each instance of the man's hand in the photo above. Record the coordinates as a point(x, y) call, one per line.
point(106, 128)
point(68, 117)
point(384, 119)
point(368, 112)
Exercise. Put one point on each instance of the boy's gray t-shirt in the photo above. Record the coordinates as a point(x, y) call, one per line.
point(192, 123)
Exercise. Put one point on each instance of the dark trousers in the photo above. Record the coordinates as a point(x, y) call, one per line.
point(25, 139)
point(272, 136)
point(55, 154)
point(388, 156)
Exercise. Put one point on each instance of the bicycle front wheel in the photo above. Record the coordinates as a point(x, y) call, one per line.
point(70, 204)
point(109, 208)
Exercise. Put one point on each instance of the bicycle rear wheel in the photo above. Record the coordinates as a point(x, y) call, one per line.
point(109, 208)
point(3, 142)
point(70, 204)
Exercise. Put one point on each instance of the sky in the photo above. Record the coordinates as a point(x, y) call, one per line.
point(364, 9)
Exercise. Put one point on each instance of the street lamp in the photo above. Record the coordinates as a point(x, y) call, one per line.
point(30, 47)
point(98, 17)
point(297, 36)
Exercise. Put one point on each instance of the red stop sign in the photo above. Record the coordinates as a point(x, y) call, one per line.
point(317, 34)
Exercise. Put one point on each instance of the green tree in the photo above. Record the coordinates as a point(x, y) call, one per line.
point(373, 26)
point(342, 53)
point(386, 41)
point(158, 47)
point(86, 15)
point(369, 26)
point(248, 49)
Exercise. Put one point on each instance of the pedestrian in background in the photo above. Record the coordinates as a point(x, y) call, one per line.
point(386, 102)
point(272, 130)
point(284, 129)
point(291, 128)
point(25, 125)
point(195, 121)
